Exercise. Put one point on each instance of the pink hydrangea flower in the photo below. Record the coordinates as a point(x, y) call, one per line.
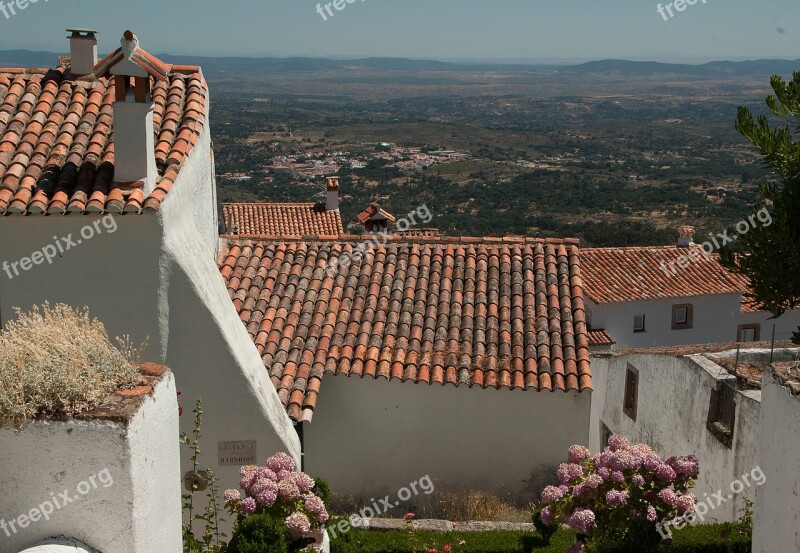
point(665, 473)
point(582, 521)
point(685, 466)
point(593, 481)
point(578, 454)
point(267, 474)
point(551, 494)
point(685, 503)
point(248, 480)
point(546, 515)
point(617, 477)
point(288, 490)
point(569, 472)
point(615, 443)
point(652, 516)
point(316, 507)
point(616, 498)
point(247, 469)
point(668, 497)
point(637, 480)
point(280, 461)
point(249, 505)
point(297, 524)
point(231, 496)
point(303, 481)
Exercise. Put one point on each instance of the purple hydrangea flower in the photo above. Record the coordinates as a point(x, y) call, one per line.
point(615, 443)
point(685, 503)
point(582, 521)
point(637, 480)
point(668, 497)
point(280, 461)
point(249, 505)
point(297, 524)
point(569, 472)
point(616, 498)
point(231, 496)
point(551, 494)
point(617, 477)
point(546, 515)
point(652, 516)
point(665, 473)
point(578, 454)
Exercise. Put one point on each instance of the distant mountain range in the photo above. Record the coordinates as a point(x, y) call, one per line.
point(228, 65)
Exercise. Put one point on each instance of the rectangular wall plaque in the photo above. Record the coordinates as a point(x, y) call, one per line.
point(236, 453)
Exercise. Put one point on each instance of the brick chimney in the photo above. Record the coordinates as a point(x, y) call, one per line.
point(83, 51)
point(685, 236)
point(332, 204)
point(134, 143)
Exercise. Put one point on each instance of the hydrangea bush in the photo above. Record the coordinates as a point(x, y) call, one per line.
point(620, 494)
point(278, 490)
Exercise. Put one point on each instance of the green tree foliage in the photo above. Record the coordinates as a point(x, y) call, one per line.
point(770, 255)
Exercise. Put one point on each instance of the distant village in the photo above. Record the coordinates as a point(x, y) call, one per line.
point(322, 164)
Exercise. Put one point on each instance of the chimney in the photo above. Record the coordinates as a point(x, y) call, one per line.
point(83, 51)
point(134, 143)
point(333, 194)
point(685, 236)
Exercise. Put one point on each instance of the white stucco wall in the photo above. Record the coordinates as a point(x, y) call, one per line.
point(156, 278)
point(672, 410)
point(371, 437)
point(133, 505)
point(716, 319)
point(785, 325)
point(776, 521)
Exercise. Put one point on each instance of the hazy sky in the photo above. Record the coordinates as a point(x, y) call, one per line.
point(441, 29)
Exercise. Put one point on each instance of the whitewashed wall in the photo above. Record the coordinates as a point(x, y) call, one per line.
point(716, 319)
point(133, 508)
point(776, 522)
point(371, 437)
point(785, 325)
point(156, 278)
point(673, 402)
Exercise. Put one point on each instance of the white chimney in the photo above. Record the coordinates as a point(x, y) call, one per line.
point(333, 194)
point(83, 51)
point(685, 236)
point(134, 143)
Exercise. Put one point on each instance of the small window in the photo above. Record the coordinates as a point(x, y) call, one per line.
point(631, 392)
point(749, 333)
point(722, 413)
point(682, 316)
point(638, 323)
point(605, 435)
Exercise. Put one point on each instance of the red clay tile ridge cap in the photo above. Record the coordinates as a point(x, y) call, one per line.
point(374, 211)
point(123, 404)
point(129, 59)
point(698, 349)
point(245, 239)
point(787, 374)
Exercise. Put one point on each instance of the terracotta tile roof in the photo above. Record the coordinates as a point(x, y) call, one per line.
point(57, 147)
point(492, 313)
point(374, 211)
point(612, 275)
point(599, 337)
point(281, 220)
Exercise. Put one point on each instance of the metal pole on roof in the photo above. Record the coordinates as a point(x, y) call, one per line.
point(772, 350)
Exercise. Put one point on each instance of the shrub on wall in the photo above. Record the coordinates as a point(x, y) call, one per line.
point(57, 362)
